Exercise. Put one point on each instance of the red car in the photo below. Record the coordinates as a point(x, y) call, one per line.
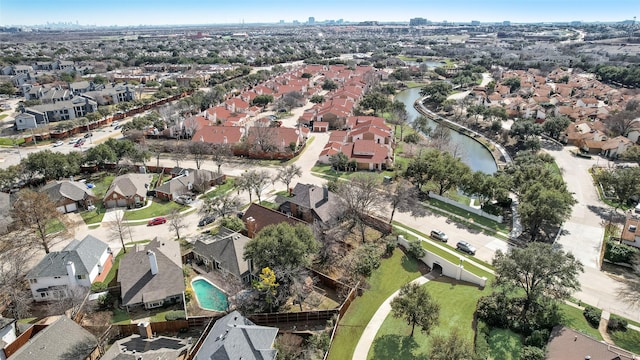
point(157, 221)
point(79, 143)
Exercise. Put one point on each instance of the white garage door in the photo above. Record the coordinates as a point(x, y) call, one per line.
point(122, 202)
point(110, 204)
point(71, 207)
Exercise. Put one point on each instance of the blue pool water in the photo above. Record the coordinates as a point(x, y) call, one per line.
point(209, 297)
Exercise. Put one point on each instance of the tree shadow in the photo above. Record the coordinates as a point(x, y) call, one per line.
point(389, 347)
point(607, 214)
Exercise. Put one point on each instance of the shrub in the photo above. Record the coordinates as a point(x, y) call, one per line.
point(494, 310)
point(367, 259)
point(232, 223)
point(175, 315)
point(390, 244)
point(619, 253)
point(616, 323)
point(188, 294)
point(531, 353)
point(105, 301)
point(538, 338)
point(482, 341)
point(412, 138)
point(592, 315)
point(415, 249)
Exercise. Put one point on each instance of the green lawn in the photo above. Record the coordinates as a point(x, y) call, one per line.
point(469, 215)
point(574, 319)
point(27, 320)
point(2, 116)
point(111, 276)
point(628, 340)
point(504, 345)
point(221, 189)
point(328, 173)
point(93, 216)
point(159, 317)
point(120, 317)
point(389, 277)
point(101, 183)
point(10, 142)
point(457, 304)
point(54, 226)
point(157, 208)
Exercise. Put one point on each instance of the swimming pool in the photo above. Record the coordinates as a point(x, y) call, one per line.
point(209, 297)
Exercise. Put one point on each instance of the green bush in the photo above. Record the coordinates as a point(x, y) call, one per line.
point(175, 315)
point(592, 315)
point(232, 223)
point(538, 338)
point(416, 250)
point(482, 341)
point(619, 253)
point(494, 310)
point(531, 353)
point(98, 286)
point(390, 244)
point(367, 259)
point(105, 301)
point(616, 323)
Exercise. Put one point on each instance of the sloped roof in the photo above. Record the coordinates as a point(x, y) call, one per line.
point(264, 217)
point(236, 337)
point(227, 248)
point(156, 348)
point(181, 183)
point(129, 185)
point(566, 343)
point(72, 190)
point(84, 254)
point(313, 197)
point(136, 281)
point(64, 339)
point(219, 134)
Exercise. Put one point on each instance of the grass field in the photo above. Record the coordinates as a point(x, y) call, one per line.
point(457, 302)
point(573, 318)
point(628, 340)
point(156, 208)
point(220, 189)
point(504, 345)
point(389, 277)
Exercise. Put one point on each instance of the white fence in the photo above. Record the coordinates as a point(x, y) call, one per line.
point(454, 271)
point(466, 207)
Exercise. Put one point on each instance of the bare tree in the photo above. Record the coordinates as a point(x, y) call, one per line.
point(13, 267)
point(403, 197)
point(178, 152)
point(255, 181)
point(199, 150)
point(631, 288)
point(176, 221)
point(117, 228)
point(35, 211)
point(359, 197)
point(286, 174)
point(190, 126)
point(220, 153)
point(71, 301)
point(262, 138)
point(221, 206)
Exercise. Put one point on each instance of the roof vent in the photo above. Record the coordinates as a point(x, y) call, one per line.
point(633, 228)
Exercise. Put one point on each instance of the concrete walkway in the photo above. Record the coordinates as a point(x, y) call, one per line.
point(370, 331)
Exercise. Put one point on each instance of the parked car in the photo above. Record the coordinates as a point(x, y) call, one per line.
point(115, 123)
point(184, 199)
point(439, 235)
point(88, 135)
point(157, 221)
point(58, 143)
point(73, 141)
point(206, 220)
point(466, 247)
point(79, 143)
point(117, 127)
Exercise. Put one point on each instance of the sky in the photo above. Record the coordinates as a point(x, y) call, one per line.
point(182, 12)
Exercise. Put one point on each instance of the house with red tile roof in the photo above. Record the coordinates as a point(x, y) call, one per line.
point(236, 105)
point(219, 134)
point(274, 139)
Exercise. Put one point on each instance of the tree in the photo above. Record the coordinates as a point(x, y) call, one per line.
point(452, 346)
point(513, 83)
point(398, 116)
point(404, 198)
point(421, 124)
point(476, 111)
point(317, 99)
point(287, 173)
point(415, 305)
point(339, 161)
point(233, 223)
point(117, 228)
point(101, 154)
point(441, 167)
point(35, 211)
point(621, 183)
point(555, 126)
point(632, 154)
point(524, 129)
point(7, 88)
point(253, 181)
point(221, 206)
point(267, 285)
point(539, 272)
point(262, 100)
point(220, 153)
point(436, 92)
point(282, 245)
point(199, 150)
point(176, 221)
point(622, 122)
point(542, 207)
point(376, 101)
point(13, 268)
point(359, 198)
point(329, 85)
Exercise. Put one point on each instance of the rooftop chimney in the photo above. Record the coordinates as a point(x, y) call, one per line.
point(71, 273)
point(144, 329)
point(251, 227)
point(153, 263)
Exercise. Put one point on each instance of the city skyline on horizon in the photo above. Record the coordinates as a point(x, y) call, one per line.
point(202, 12)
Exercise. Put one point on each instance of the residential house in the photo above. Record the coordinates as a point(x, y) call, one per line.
point(612, 148)
point(310, 203)
point(224, 252)
point(256, 217)
point(146, 346)
point(69, 196)
point(236, 337)
point(112, 94)
point(127, 190)
point(275, 139)
point(566, 343)
point(189, 181)
point(219, 134)
point(63, 339)
point(634, 132)
point(79, 264)
point(151, 276)
point(631, 232)
point(8, 334)
point(29, 121)
point(64, 110)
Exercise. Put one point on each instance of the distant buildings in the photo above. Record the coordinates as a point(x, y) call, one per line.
point(418, 21)
point(312, 20)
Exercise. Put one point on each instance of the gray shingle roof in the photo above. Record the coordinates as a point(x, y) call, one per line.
point(73, 190)
point(157, 348)
point(84, 254)
point(64, 339)
point(129, 185)
point(227, 248)
point(180, 184)
point(236, 337)
point(313, 197)
point(134, 275)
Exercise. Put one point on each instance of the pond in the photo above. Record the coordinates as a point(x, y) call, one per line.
point(474, 154)
point(209, 297)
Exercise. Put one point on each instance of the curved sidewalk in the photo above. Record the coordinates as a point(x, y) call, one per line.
point(370, 331)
